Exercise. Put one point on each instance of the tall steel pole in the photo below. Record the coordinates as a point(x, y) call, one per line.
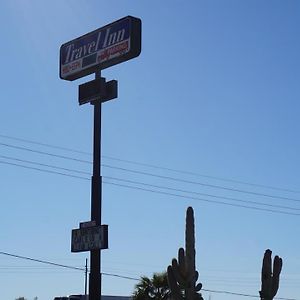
point(96, 197)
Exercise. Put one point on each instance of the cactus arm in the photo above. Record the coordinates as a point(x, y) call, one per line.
point(269, 280)
point(177, 273)
point(196, 276)
point(181, 261)
point(277, 266)
point(198, 287)
point(175, 291)
point(266, 273)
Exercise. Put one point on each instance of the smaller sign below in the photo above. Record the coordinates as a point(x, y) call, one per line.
point(97, 90)
point(89, 238)
point(91, 91)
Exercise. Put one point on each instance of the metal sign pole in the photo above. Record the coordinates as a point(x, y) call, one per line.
point(96, 197)
point(99, 49)
point(85, 277)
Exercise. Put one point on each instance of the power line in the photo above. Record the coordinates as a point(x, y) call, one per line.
point(126, 277)
point(145, 184)
point(205, 290)
point(155, 175)
point(233, 293)
point(201, 175)
point(241, 294)
point(44, 165)
point(122, 276)
point(43, 170)
point(150, 165)
point(201, 194)
point(153, 191)
point(44, 144)
point(200, 183)
point(46, 153)
point(237, 281)
point(31, 267)
point(203, 200)
point(41, 261)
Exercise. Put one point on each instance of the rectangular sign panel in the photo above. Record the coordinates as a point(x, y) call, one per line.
point(100, 49)
point(89, 238)
point(97, 90)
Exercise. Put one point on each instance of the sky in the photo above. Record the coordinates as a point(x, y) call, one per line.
point(207, 116)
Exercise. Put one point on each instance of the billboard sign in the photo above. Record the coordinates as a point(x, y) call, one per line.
point(101, 48)
point(89, 238)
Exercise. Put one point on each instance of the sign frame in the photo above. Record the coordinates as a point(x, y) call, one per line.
point(71, 60)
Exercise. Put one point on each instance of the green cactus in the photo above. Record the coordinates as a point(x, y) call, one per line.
point(269, 279)
point(182, 274)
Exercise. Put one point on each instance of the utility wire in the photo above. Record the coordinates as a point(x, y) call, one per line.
point(232, 293)
point(203, 200)
point(205, 290)
point(146, 184)
point(151, 165)
point(154, 191)
point(41, 261)
point(44, 165)
point(44, 144)
point(155, 175)
point(244, 295)
point(144, 173)
point(46, 153)
point(121, 276)
point(201, 194)
point(43, 170)
point(200, 183)
point(201, 175)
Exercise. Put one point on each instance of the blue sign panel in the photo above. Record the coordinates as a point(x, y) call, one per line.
point(100, 49)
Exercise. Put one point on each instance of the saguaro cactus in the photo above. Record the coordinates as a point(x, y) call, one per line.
point(182, 274)
point(269, 279)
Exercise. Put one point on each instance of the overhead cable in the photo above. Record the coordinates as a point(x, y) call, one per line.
point(44, 144)
point(199, 183)
point(154, 191)
point(151, 165)
point(202, 200)
point(43, 165)
point(43, 170)
point(46, 153)
point(41, 261)
point(201, 194)
point(125, 277)
point(142, 183)
point(156, 175)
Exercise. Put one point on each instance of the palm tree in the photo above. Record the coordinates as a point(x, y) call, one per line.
point(156, 288)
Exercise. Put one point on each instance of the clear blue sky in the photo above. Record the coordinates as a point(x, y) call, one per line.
point(215, 92)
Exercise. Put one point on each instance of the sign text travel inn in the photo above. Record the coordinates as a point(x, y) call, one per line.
point(101, 48)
